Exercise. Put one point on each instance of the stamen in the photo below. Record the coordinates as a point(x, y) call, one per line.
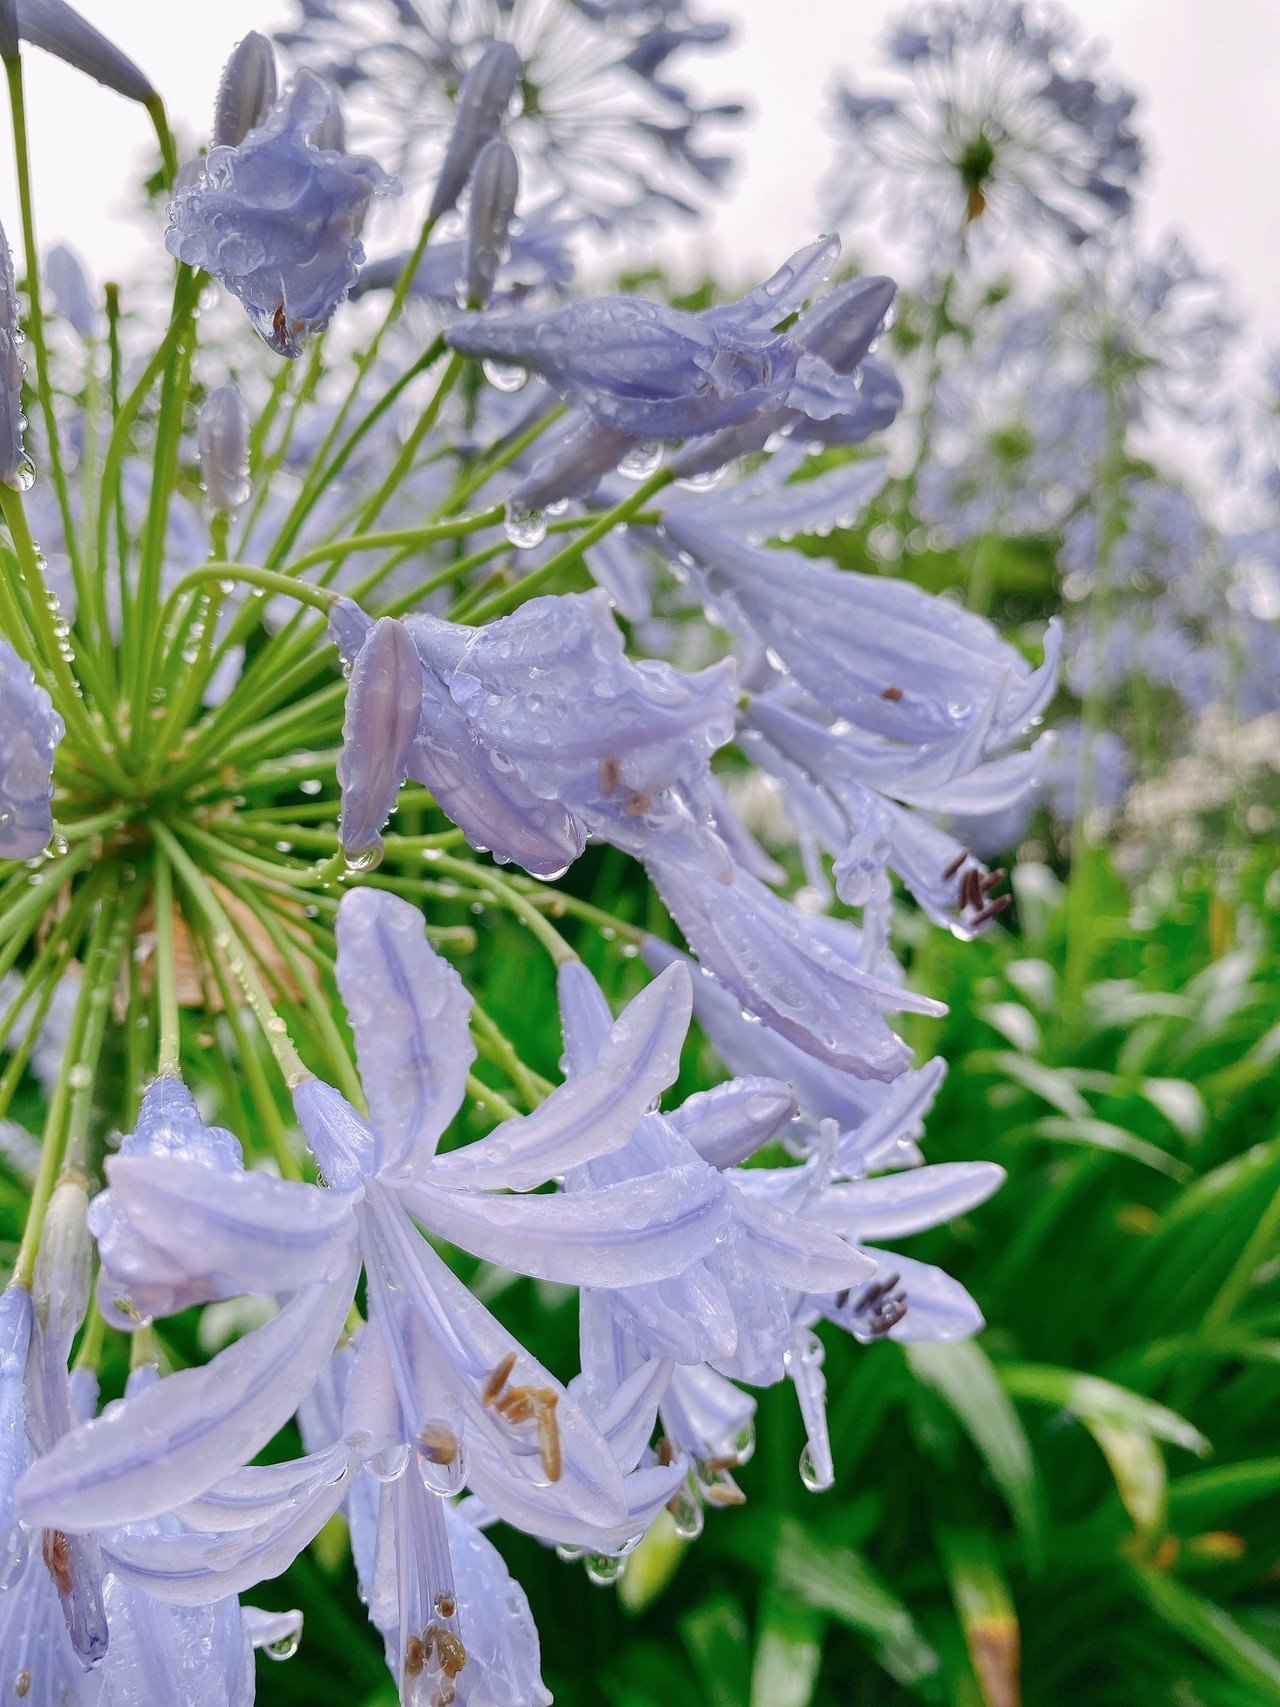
point(609, 772)
point(57, 1556)
point(536, 1404)
point(22, 1683)
point(446, 1605)
point(955, 865)
point(993, 910)
point(497, 1379)
point(450, 1651)
point(891, 693)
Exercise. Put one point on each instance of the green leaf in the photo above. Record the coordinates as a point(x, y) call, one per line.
point(1181, 1104)
point(1103, 1135)
point(1126, 1427)
point(1050, 1084)
point(963, 1375)
point(1207, 1496)
point(1016, 1024)
point(788, 1653)
point(837, 1581)
point(1214, 1632)
point(986, 1611)
point(716, 1636)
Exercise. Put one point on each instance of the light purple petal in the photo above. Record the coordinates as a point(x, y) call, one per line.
point(731, 1122)
point(898, 1204)
point(409, 1011)
point(142, 1457)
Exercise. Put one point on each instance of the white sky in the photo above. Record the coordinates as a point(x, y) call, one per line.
point(1207, 72)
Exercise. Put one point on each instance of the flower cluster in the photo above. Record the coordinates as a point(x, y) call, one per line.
point(994, 113)
point(219, 846)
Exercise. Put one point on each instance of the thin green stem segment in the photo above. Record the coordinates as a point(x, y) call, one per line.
point(166, 966)
point(228, 942)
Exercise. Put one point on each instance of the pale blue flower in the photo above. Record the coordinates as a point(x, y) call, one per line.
point(495, 184)
point(604, 126)
point(409, 1013)
point(30, 730)
point(278, 219)
point(990, 114)
point(537, 731)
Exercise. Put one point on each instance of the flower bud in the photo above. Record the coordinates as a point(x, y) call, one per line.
point(30, 730)
point(71, 292)
point(384, 704)
point(247, 91)
point(223, 435)
point(60, 30)
point(483, 98)
point(13, 461)
point(574, 467)
point(495, 184)
point(60, 1287)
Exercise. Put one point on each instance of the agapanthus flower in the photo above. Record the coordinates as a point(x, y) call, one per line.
point(536, 732)
point(601, 127)
point(658, 373)
point(165, 1243)
point(278, 219)
point(993, 113)
point(30, 730)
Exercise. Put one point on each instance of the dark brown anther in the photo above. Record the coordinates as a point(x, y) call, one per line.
point(439, 1444)
point(636, 805)
point(280, 324)
point(609, 771)
point(993, 910)
point(666, 1452)
point(970, 888)
point(842, 1298)
point(893, 693)
point(446, 1605)
point(417, 1651)
point(955, 865)
point(992, 880)
point(884, 1304)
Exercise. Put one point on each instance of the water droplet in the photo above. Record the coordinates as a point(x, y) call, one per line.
point(603, 1568)
point(524, 528)
point(809, 1474)
point(640, 462)
point(284, 1647)
point(505, 376)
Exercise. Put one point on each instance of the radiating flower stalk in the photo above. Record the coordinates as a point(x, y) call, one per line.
point(326, 678)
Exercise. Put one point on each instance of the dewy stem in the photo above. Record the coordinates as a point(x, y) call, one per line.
point(166, 966)
point(56, 1126)
point(546, 573)
point(319, 475)
point(35, 321)
point(71, 703)
point(227, 940)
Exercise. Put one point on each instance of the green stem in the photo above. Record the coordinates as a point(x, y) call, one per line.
point(547, 573)
point(36, 325)
point(227, 942)
point(166, 968)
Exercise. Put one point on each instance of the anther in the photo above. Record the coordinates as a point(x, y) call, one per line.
point(955, 865)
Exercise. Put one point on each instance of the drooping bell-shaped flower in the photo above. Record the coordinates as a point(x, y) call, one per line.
point(779, 966)
point(278, 219)
point(30, 730)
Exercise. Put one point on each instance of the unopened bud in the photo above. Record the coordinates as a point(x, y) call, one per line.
point(13, 461)
point(71, 292)
point(247, 91)
point(495, 183)
point(60, 30)
point(222, 433)
point(60, 1286)
point(483, 98)
point(384, 705)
